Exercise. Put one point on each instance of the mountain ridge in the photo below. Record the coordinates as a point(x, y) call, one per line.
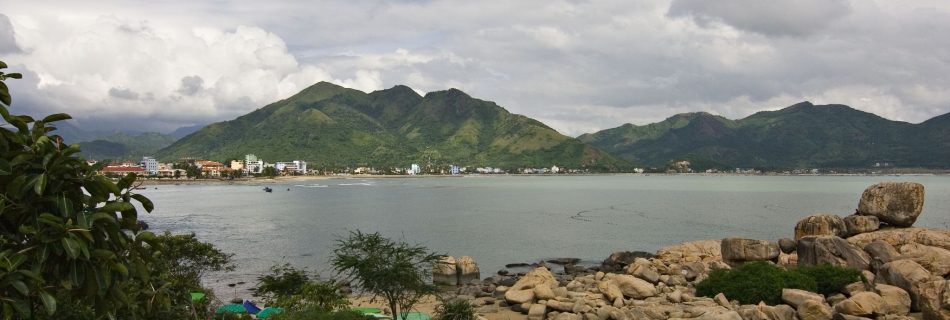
point(803, 135)
point(340, 127)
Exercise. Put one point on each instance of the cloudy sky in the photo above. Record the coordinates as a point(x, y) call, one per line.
point(579, 66)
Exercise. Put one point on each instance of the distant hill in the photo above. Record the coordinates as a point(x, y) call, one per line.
point(184, 131)
point(123, 146)
point(334, 126)
point(799, 136)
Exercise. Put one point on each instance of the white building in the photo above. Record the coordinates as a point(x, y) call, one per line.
point(253, 165)
point(297, 166)
point(150, 165)
point(414, 169)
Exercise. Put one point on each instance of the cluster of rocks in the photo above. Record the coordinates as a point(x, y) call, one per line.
point(906, 269)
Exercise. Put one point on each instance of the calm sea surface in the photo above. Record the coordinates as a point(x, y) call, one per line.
point(499, 220)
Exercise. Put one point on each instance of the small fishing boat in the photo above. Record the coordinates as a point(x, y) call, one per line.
point(268, 189)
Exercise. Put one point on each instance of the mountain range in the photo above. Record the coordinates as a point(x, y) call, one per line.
point(803, 135)
point(333, 126)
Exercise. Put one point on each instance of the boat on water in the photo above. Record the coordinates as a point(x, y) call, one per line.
point(268, 189)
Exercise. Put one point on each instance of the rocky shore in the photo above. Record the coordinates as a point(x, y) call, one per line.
point(906, 272)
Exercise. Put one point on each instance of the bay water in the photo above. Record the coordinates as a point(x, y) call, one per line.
point(503, 219)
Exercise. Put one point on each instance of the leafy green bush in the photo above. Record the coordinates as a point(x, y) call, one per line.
point(455, 309)
point(830, 279)
point(294, 290)
point(753, 282)
point(321, 314)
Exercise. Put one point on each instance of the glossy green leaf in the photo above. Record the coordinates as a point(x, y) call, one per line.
point(40, 185)
point(21, 287)
point(49, 302)
point(126, 181)
point(72, 247)
point(117, 206)
point(56, 117)
point(146, 203)
point(14, 75)
point(5, 95)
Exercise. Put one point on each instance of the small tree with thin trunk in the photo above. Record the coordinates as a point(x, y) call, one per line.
point(398, 272)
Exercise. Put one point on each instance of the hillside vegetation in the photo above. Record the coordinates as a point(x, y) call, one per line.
point(332, 126)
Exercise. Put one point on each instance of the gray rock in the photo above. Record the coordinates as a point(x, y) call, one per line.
point(858, 224)
point(907, 275)
point(934, 259)
point(880, 252)
point(820, 225)
point(787, 245)
point(815, 250)
point(736, 251)
point(895, 203)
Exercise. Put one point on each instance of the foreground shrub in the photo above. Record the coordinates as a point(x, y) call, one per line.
point(830, 279)
point(316, 313)
point(455, 309)
point(296, 290)
point(753, 282)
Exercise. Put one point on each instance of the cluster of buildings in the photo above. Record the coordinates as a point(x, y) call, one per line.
point(251, 165)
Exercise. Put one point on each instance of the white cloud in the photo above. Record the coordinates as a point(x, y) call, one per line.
point(578, 66)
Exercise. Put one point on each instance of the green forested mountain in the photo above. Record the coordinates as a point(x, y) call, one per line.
point(799, 136)
point(334, 126)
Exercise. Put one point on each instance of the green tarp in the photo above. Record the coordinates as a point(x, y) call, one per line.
point(268, 312)
point(232, 308)
point(197, 296)
point(367, 310)
point(415, 316)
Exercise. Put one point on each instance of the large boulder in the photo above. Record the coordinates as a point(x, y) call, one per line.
point(523, 290)
point(934, 259)
point(695, 251)
point(643, 269)
point(787, 245)
point(633, 287)
point(736, 251)
point(814, 310)
point(766, 312)
point(898, 237)
point(797, 297)
point(858, 224)
point(861, 304)
point(820, 225)
point(895, 203)
point(467, 270)
point(881, 252)
point(444, 271)
point(907, 275)
point(896, 300)
point(815, 250)
point(935, 299)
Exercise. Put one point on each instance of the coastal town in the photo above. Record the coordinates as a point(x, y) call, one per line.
point(252, 165)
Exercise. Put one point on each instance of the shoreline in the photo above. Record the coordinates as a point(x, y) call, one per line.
point(292, 179)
